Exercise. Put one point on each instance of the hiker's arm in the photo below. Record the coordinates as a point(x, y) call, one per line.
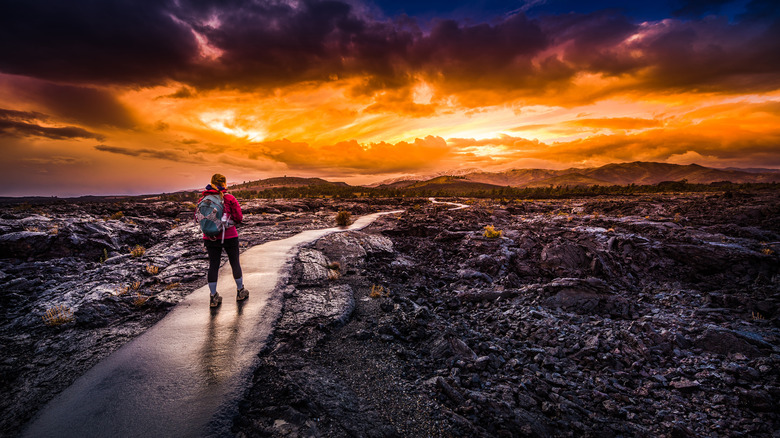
point(235, 211)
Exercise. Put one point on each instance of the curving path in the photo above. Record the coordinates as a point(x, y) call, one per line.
point(183, 376)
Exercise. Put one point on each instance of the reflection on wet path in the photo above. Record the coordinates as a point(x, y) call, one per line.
point(183, 376)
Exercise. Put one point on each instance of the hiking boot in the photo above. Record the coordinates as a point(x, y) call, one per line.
point(216, 300)
point(242, 294)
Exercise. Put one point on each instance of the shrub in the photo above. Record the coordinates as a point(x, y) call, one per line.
point(138, 251)
point(343, 218)
point(104, 257)
point(334, 270)
point(57, 315)
point(140, 299)
point(378, 291)
point(492, 233)
point(152, 270)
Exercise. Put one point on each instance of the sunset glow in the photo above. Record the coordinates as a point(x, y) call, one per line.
point(140, 98)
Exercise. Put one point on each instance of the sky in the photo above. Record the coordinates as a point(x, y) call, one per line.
point(148, 96)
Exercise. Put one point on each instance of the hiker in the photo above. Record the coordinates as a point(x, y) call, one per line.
point(227, 237)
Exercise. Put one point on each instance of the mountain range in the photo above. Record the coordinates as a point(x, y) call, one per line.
point(639, 173)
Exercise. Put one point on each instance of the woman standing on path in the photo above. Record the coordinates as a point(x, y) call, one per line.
point(229, 242)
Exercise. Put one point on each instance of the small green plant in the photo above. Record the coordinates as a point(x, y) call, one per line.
point(116, 216)
point(138, 251)
point(104, 256)
point(57, 315)
point(343, 218)
point(492, 233)
point(378, 291)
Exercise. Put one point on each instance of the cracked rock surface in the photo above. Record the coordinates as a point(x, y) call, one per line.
point(76, 256)
point(652, 316)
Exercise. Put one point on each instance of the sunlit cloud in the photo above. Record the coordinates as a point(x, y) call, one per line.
point(339, 89)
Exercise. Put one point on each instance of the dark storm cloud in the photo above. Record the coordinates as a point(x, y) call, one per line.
point(94, 41)
point(25, 124)
point(146, 153)
point(85, 105)
point(262, 44)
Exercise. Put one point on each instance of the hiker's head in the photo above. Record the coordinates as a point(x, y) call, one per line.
point(218, 181)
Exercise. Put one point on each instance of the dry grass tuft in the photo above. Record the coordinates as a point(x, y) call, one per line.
point(172, 286)
point(492, 233)
point(378, 291)
point(138, 251)
point(140, 299)
point(116, 216)
point(334, 270)
point(343, 218)
point(57, 315)
point(152, 270)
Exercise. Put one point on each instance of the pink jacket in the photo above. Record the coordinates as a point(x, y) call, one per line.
point(231, 207)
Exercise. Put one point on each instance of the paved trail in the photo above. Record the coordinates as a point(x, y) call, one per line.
point(183, 376)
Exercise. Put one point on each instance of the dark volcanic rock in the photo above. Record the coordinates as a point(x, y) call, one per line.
point(585, 318)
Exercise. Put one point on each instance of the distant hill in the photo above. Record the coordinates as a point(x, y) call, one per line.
point(450, 184)
point(472, 180)
point(570, 179)
point(638, 172)
point(396, 185)
point(392, 181)
point(285, 181)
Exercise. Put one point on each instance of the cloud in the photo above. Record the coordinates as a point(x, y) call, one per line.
point(350, 156)
point(96, 41)
point(26, 124)
point(87, 105)
point(253, 45)
point(616, 123)
point(161, 154)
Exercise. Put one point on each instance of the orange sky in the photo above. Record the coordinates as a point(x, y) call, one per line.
point(359, 97)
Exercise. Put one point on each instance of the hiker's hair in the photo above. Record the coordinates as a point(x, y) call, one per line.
point(217, 181)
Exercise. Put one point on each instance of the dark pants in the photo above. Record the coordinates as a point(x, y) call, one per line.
point(214, 248)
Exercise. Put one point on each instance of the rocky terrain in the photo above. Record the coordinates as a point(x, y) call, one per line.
point(652, 316)
point(105, 272)
point(635, 316)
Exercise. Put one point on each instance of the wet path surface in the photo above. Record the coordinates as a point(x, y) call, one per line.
point(183, 376)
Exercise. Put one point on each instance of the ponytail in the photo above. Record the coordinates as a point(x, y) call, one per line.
point(219, 182)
